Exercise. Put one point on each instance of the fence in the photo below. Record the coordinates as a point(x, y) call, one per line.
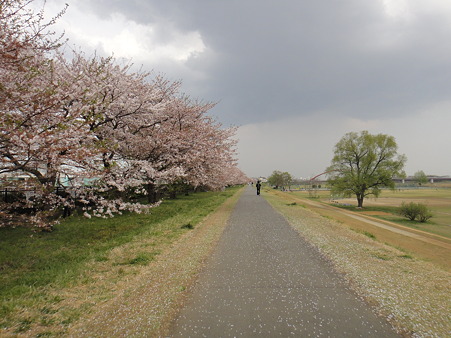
point(8, 195)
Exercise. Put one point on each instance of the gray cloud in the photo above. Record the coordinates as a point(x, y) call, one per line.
point(294, 57)
point(269, 61)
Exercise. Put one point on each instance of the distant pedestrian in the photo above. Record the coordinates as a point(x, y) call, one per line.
point(258, 186)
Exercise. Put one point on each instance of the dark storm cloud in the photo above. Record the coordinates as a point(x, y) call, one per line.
point(286, 58)
point(296, 75)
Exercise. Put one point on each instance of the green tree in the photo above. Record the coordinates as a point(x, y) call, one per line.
point(280, 179)
point(287, 179)
point(363, 163)
point(420, 177)
point(276, 178)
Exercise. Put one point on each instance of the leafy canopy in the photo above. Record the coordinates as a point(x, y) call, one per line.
point(280, 179)
point(363, 163)
point(420, 177)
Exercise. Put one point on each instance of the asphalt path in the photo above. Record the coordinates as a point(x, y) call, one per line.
point(264, 280)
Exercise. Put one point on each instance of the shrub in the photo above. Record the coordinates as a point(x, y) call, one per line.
point(424, 213)
point(409, 210)
point(415, 211)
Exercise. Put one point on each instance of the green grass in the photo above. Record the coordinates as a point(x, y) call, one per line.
point(388, 209)
point(35, 264)
point(435, 225)
point(437, 199)
point(366, 233)
point(431, 226)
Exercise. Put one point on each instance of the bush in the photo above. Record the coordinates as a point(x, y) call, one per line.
point(415, 211)
point(409, 210)
point(425, 214)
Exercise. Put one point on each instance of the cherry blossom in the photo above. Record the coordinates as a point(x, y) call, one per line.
point(90, 131)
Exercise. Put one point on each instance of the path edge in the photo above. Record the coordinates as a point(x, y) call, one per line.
point(150, 308)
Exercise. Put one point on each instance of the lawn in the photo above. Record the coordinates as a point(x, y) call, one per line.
point(40, 270)
point(385, 206)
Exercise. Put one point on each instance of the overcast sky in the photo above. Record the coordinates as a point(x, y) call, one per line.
point(294, 75)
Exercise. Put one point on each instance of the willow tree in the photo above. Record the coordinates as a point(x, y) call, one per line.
point(363, 164)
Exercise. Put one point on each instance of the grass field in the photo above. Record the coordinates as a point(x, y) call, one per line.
point(49, 280)
point(433, 246)
point(386, 205)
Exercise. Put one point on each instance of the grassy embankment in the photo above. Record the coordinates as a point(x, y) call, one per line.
point(413, 293)
point(384, 208)
point(50, 282)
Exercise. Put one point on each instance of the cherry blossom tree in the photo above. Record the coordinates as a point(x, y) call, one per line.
point(105, 131)
point(28, 91)
point(185, 147)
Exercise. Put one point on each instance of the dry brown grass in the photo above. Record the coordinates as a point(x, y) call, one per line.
point(415, 295)
point(144, 303)
point(426, 245)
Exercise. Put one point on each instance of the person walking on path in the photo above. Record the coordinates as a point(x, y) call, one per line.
point(265, 280)
point(258, 186)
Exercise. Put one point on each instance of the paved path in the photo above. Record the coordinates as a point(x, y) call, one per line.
point(265, 280)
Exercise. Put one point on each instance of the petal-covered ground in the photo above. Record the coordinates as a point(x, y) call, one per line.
point(265, 280)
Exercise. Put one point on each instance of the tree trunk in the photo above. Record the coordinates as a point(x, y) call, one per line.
point(360, 200)
point(151, 193)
